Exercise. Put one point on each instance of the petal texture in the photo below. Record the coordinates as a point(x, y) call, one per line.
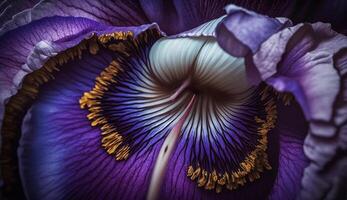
point(110, 12)
point(56, 52)
point(23, 49)
point(66, 160)
point(28, 47)
point(307, 60)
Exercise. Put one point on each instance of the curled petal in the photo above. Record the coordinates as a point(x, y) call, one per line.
point(237, 30)
point(309, 61)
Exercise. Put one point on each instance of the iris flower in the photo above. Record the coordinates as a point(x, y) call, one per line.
point(173, 100)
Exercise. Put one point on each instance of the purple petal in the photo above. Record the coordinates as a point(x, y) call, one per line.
point(308, 60)
point(28, 47)
point(289, 48)
point(330, 180)
point(120, 13)
point(60, 153)
point(292, 160)
point(17, 46)
point(236, 32)
point(172, 17)
point(306, 69)
point(44, 50)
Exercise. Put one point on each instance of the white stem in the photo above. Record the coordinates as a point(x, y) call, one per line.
point(164, 155)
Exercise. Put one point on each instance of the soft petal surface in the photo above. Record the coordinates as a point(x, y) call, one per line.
point(308, 61)
point(234, 31)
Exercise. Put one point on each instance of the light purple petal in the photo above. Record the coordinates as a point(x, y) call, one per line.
point(306, 68)
point(109, 12)
point(237, 31)
point(308, 60)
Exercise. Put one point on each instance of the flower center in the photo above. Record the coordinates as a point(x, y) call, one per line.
point(141, 97)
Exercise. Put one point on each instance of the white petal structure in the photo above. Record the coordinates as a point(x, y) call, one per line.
point(200, 59)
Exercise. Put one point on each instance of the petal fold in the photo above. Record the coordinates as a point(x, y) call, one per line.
point(236, 32)
point(309, 61)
